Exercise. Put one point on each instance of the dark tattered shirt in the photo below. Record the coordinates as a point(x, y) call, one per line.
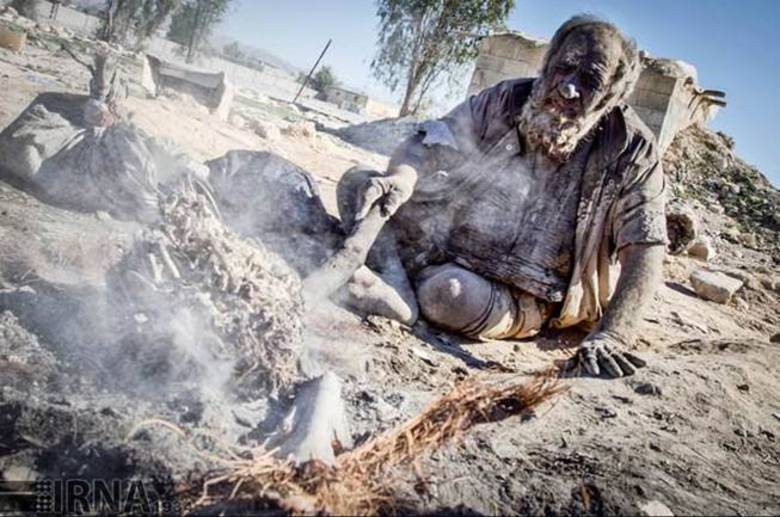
point(485, 203)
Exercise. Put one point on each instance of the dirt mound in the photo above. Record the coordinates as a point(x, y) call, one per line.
point(380, 136)
point(702, 166)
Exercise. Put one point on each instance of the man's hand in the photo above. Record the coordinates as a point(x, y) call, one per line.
point(604, 351)
point(389, 191)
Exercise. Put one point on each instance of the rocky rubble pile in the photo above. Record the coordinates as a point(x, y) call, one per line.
point(703, 170)
point(50, 36)
point(380, 136)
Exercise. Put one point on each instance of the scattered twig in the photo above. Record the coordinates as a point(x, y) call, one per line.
point(357, 484)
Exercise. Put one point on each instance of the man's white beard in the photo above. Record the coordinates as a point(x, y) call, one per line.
point(552, 133)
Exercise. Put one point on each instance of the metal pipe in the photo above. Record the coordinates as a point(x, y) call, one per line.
point(312, 71)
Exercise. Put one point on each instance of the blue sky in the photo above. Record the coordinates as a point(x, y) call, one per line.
point(733, 44)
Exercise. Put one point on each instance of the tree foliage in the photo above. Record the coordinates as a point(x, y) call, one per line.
point(324, 79)
point(320, 81)
point(193, 21)
point(128, 20)
point(422, 40)
point(233, 52)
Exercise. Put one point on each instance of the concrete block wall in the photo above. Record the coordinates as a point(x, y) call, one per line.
point(503, 56)
point(271, 81)
point(651, 99)
point(78, 22)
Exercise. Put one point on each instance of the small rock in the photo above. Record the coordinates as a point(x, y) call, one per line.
point(775, 338)
point(303, 129)
point(102, 215)
point(266, 130)
point(731, 234)
point(748, 239)
point(647, 388)
point(656, 509)
point(237, 120)
point(743, 387)
point(749, 280)
point(714, 286)
point(384, 411)
point(770, 283)
point(681, 226)
point(605, 412)
point(702, 248)
point(504, 446)
point(717, 208)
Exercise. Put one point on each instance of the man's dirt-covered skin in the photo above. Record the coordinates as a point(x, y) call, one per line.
point(589, 71)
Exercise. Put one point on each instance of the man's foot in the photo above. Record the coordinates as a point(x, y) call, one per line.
point(316, 421)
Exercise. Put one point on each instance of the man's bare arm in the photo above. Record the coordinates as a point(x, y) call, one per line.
point(641, 272)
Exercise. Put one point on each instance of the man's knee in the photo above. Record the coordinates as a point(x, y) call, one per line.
point(452, 297)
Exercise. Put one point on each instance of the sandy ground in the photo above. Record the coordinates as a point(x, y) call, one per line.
point(696, 431)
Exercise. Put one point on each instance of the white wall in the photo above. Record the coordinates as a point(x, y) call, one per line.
point(271, 81)
point(72, 19)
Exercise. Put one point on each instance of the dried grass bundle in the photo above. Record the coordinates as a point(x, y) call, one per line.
point(356, 485)
point(199, 284)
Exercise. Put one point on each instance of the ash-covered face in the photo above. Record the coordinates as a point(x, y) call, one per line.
point(574, 92)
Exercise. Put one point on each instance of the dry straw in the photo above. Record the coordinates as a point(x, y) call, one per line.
point(357, 484)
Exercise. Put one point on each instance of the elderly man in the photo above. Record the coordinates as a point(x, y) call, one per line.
point(508, 212)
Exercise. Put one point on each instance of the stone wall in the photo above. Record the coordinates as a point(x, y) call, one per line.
point(505, 56)
point(357, 102)
point(81, 23)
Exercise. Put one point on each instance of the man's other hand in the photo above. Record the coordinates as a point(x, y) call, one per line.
point(389, 192)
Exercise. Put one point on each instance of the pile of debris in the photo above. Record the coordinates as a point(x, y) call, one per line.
point(703, 170)
point(380, 136)
point(16, 31)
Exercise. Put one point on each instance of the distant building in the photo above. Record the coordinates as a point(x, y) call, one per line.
point(667, 97)
point(358, 102)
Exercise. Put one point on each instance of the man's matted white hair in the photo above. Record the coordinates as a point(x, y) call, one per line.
point(629, 67)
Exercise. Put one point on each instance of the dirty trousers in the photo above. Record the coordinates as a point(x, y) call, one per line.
point(505, 313)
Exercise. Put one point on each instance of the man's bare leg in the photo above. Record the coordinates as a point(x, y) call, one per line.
point(316, 420)
point(381, 287)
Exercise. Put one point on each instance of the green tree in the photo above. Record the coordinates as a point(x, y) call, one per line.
point(192, 23)
point(323, 79)
point(126, 20)
point(233, 52)
point(422, 40)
